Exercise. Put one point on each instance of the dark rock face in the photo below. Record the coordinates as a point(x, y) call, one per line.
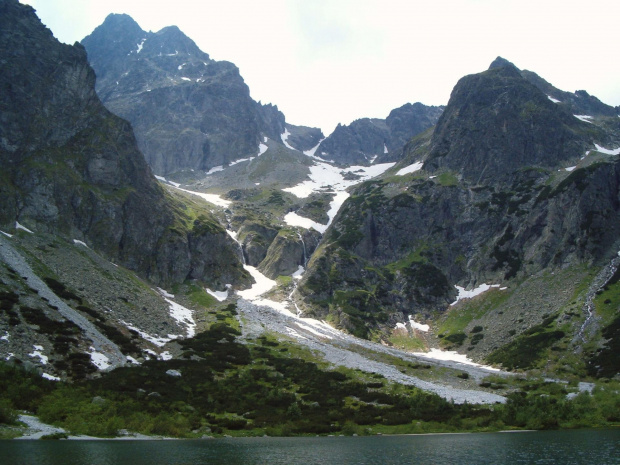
point(70, 167)
point(492, 204)
point(187, 111)
point(497, 122)
point(367, 138)
point(303, 138)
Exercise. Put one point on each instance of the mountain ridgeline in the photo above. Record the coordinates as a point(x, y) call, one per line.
point(72, 168)
point(188, 112)
point(378, 140)
point(512, 190)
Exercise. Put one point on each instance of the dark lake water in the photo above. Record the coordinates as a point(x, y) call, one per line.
point(599, 447)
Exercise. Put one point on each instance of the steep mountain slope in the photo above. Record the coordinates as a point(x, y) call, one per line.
point(380, 140)
point(188, 111)
point(70, 167)
point(508, 189)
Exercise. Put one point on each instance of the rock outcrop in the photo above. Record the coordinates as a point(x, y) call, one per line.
point(510, 186)
point(189, 112)
point(70, 167)
point(377, 139)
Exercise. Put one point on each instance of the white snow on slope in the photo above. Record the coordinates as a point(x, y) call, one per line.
point(140, 45)
point(162, 179)
point(78, 242)
point(99, 360)
point(312, 151)
point(463, 294)
point(607, 151)
point(585, 118)
point(23, 228)
point(554, 100)
point(221, 296)
point(184, 316)
point(325, 178)
point(7, 234)
point(262, 284)
point(211, 198)
point(410, 169)
point(284, 137)
point(158, 341)
point(450, 355)
point(37, 352)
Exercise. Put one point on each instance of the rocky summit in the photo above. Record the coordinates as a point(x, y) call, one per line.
point(510, 189)
point(378, 140)
point(188, 112)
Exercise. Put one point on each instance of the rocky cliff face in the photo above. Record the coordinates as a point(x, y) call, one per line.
point(70, 167)
point(510, 188)
point(187, 111)
point(377, 139)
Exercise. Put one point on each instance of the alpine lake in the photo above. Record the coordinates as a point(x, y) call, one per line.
point(573, 447)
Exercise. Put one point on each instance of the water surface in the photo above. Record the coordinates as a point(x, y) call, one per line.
point(600, 447)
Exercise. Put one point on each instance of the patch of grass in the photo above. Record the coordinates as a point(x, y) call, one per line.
point(409, 343)
point(447, 179)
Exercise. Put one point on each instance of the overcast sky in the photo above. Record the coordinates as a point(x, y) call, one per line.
point(324, 62)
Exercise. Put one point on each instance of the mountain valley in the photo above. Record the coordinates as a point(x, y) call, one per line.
point(177, 259)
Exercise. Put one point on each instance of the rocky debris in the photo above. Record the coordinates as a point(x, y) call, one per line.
point(344, 350)
point(100, 342)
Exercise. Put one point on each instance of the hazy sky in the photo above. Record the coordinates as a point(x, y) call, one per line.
point(325, 62)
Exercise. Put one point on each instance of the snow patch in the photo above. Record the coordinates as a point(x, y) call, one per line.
point(300, 271)
point(215, 169)
point(140, 45)
point(37, 352)
point(99, 360)
point(585, 118)
point(262, 284)
point(607, 151)
point(419, 326)
point(23, 228)
point(410, 169)
point(5, 337)
point(183, 316)
point(211, 198)
point(554, 100)
point(174, 373)
point(312, 151)
point(165, 293)
point(50, 377)
point(385, 149)
point(162, 179)
point(6, 234)
point(262, 148)
point(77, 242)
point(449, 355)
point(165, 356)
point(570, 168)
point(158, 341)
point(284, 137)
point(463, 294)
point(186, 79)
point(221, 296)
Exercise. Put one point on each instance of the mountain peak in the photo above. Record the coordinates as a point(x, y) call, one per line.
point(500, 62)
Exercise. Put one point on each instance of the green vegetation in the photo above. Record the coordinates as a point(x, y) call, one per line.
point(526, 350)
point(447, 179)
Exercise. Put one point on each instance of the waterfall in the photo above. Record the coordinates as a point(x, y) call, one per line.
point(305, 257)
point(233, 234)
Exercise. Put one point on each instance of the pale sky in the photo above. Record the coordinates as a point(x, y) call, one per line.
point(324, 62)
